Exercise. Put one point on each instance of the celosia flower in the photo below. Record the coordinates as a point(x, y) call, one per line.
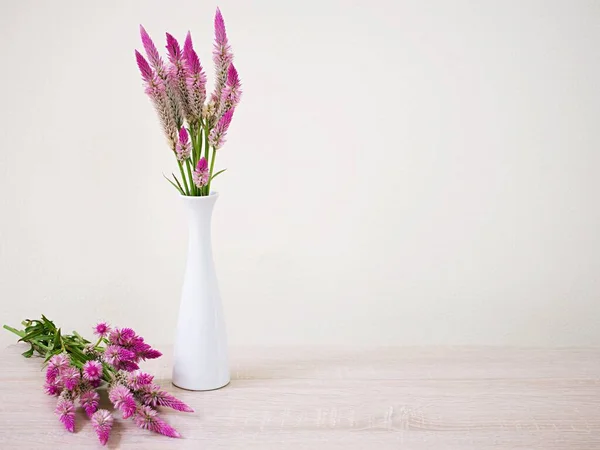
point(52, 373)
point(101, 329)
point(102, 421)
point(66, 412)
point(196, 80)
point(200, 175)
point(115, 354)
point(177, 73)
point(121, 336)
point(136, 380)
point(122, 398)
point(70, 377)
point(155, 396)
point(147, 418)
point(60, 361)
point(92, 370)
point(222, 56)
point(153, 56)
point(89, 401)
point(216, 138)
point(52, 389)
point(156, 89)
point(183, 148)
point(232, 92)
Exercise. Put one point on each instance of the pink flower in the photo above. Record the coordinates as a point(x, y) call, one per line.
point(232, 92)
point(102, 421)
point(60, 361)
point(177, 74)
point(115, 354)
point(70, 377)
point(183, 148)
point(153, 56)
point(66, 413)
point(196, 80)
point(92, 370)
point(89, 401)
point(121, 336)
point(147, 418)
point(200, 175)
point(216, 138)
point(122, 398)
point(52, 389)
point(102, 328)
point(137, 381)
point(154, 396)
point(52, 373)
point(222, 56)
point(163, 101)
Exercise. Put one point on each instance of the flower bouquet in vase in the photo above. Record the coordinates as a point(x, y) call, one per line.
point(195, 127)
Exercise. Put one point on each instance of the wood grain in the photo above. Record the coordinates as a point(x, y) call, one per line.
point(310, 398)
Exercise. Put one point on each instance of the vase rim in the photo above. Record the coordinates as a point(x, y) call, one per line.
point(212, 195)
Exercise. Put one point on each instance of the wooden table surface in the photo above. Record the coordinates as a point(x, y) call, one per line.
point(310, 398)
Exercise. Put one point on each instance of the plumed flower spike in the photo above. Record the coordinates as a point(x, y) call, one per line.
point(122, 398)
point(153, 395)
point(220, 32)
point(222, 57)
point(216, 138)
point(173, 49)
point(187, 44)
point(147, 418)
point(151, 51)
point(232, 92)
point(183, 148)
point(89, 401)
point(201, 173)
point(196, 81)
point(145, 69)
point(102, 421)
point(66, 413)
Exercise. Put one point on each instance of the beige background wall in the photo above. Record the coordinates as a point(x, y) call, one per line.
point(398, 172)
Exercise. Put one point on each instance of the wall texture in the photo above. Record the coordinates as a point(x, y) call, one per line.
point(398, 172)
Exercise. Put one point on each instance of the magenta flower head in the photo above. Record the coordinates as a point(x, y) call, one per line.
point(122, 398)
point(232, 92)
point(121, 336)
point(196, 79)
point(153, 56)
point(147, 418)
point(153, 395)
point(222, 56)
point(174, 50)
point(92, 370)
point(136, 381)
point(60, 361)
point(145, 69)
point(102, 421)
point(52, 389)
point(101, 329)
point(115, 354)
point(66, 412)
point(70, 377)
point(183, 148)
point(200, 175)
point(89, 401)
point(216, 138)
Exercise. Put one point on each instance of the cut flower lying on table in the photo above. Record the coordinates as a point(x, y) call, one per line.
point(76, 368)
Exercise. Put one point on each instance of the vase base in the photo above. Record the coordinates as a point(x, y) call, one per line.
point(200, 389)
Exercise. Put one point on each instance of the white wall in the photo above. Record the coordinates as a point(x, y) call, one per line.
point(398, 172)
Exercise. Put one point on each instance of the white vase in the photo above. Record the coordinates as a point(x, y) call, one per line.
point(200, 358)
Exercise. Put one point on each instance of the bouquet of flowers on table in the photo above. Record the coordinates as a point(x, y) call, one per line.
point(194, 127)
point(77, 368)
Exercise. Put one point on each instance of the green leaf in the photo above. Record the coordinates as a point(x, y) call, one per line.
point(220, 171)
point(176, 186)
point(28, 353)
point(14, 330)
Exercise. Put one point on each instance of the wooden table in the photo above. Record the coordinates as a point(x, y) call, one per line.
point(311, 398)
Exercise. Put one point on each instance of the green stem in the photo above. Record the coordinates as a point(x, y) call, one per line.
point(212, 165)
point(14, 330)
point(187, 189)
point(189, 171)
point(206, 149)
